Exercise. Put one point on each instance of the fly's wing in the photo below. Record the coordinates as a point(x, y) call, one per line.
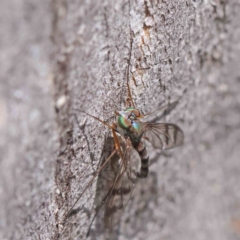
point(121, 190)
point(163, 135)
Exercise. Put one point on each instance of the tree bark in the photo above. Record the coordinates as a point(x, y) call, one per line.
point(62, 58)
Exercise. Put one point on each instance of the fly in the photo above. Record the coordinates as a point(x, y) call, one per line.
point(130, 133)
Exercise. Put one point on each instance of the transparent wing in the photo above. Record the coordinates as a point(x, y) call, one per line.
point(121, 190)
point(163, 135)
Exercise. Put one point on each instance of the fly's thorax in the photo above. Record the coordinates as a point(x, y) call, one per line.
point(129, 124)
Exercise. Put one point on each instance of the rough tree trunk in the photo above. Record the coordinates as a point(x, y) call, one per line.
point(59, 58)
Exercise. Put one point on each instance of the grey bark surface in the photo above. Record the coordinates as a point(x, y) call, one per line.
point(59, 58)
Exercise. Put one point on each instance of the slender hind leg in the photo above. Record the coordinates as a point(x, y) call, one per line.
point(116, 150)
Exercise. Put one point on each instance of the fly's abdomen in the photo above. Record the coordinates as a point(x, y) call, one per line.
point(141, 149)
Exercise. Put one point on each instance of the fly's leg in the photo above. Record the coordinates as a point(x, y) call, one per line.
point(129, 100)
point(116, 150)
point(88, 185)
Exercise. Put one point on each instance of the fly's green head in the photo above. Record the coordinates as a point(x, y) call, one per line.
point(128, 118)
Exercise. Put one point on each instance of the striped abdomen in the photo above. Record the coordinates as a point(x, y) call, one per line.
point(141, 149)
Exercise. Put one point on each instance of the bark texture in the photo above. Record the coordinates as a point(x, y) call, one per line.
point(59, 58)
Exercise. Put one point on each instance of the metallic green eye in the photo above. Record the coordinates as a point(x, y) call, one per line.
point(129, 109)
point(136, 126)
point(123, 122)
point(128, 118)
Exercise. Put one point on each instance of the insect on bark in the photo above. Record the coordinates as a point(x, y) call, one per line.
point(130, 133)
